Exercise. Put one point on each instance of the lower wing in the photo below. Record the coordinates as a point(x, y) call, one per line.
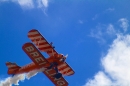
point(58, 82)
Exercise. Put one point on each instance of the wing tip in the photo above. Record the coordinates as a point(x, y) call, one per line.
point(32, 30)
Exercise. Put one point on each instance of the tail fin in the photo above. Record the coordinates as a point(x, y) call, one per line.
point(12, 67)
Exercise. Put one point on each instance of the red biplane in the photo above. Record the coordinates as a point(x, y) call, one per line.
point(55, 65)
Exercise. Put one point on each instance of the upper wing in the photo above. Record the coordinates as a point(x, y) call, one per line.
point(41, 42)
point(40, 62)
point(65, 69)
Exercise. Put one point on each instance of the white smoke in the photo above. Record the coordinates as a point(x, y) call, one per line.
point(33, 73)
point(20, 77)
point(12, 80)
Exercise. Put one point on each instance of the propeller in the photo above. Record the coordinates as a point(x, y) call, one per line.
point(66, 56)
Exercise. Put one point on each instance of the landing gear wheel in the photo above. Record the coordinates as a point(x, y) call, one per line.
point(58, 75)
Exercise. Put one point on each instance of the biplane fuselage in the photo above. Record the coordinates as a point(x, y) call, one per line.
point(26, 69)
point(40, 62)
point(31, 67)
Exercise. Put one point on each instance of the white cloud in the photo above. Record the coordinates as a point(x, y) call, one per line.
point(102, 32)
point(110, 30)
point(98, 35)
point(124, 24)
point(100, 79)
point(81, 21)
point(95, 17)
point(110, 9)
point(23, 3)
point(45, 3)
point(3, 0)
point(116, 65)
point(42, 3)
point(26, 3)
point(29, 4)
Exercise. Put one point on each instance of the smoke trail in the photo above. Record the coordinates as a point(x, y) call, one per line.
point(12, 80)
point(33, 73)
point(21, 77)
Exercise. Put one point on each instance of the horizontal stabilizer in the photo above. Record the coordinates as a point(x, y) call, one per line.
point(12, 67)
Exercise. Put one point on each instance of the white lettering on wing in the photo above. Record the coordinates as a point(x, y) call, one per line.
point(47, 71)
point(34, 54)
point(39, 59)
point(42, 63)
point(29, 49)
point(59, 81)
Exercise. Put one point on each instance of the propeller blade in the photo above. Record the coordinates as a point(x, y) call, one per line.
point(66, 56)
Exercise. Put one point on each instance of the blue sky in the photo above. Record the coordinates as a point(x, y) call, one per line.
point(94, 33)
